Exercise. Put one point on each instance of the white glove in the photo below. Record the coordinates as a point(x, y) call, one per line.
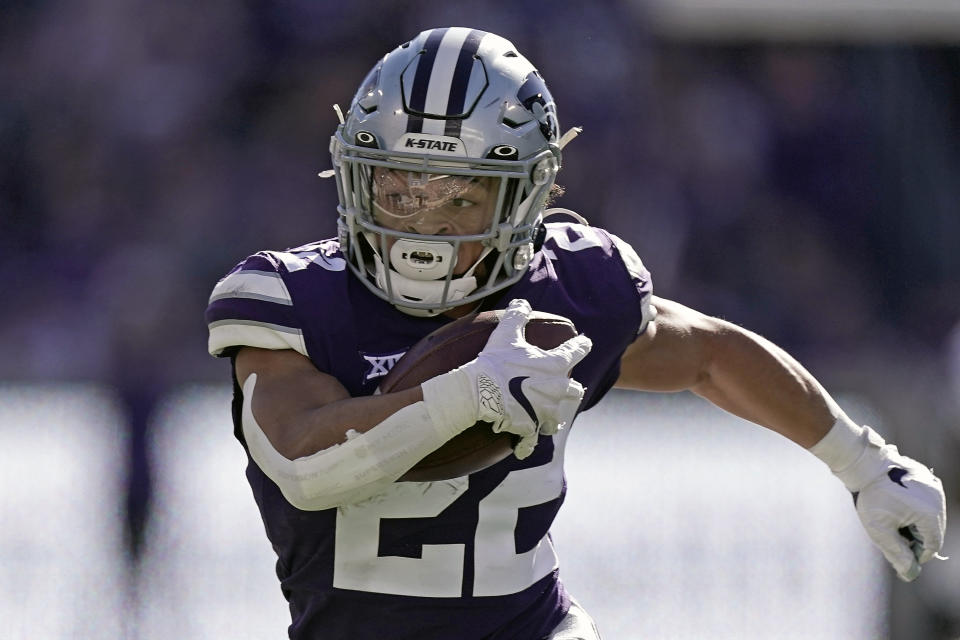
point(519, 388)
point(900, 502)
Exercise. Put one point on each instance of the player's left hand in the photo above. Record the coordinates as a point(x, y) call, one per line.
point(904, 512)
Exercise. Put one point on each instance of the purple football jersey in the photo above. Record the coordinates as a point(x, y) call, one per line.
point(467, 558)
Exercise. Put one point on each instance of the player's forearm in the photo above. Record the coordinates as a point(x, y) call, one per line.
point(318, 428)
point(302, 410)
point(353, 470)
point(751, 377)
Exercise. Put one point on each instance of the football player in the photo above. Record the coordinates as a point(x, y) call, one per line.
point(444, 164)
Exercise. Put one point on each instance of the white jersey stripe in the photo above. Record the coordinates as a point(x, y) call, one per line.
point(259, 285)
point(298, 260)
point(230, 333)
point(638, 272)
point(438, 91)
point(589, 237)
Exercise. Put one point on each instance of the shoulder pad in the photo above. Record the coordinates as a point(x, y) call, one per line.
point(252, 306)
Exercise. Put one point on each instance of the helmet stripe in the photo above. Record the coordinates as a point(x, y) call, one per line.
point(461, 80)
point(418, 93)
point(438, 91)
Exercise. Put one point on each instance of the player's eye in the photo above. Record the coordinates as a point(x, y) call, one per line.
point(462, 203)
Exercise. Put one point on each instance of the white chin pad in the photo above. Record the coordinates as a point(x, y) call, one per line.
point(426, 291)
point(422, 259)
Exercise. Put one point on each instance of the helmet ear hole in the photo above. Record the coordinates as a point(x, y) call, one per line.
point(504, 152)
point(366, 139)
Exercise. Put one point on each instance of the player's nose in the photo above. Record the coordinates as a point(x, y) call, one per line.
point(429, 227)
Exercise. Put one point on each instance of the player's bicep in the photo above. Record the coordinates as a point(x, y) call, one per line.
point(288, 387)
point(672, 354)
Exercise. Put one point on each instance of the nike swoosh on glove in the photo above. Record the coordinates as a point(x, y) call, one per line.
point(900, 501)
point(516, 386)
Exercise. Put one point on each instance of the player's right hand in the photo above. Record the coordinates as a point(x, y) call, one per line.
point(903, 511)
point(517, 387)
point(899, 501)
point(523, 389)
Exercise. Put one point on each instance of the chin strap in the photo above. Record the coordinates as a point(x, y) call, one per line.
point(566, 138)
point(329, 173)
point(560, 211)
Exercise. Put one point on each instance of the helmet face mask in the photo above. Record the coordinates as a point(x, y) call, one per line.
point(443, 165)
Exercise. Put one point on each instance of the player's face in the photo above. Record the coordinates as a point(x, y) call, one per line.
point(436, 205)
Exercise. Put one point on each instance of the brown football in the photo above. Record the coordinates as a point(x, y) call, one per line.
point(447, 348)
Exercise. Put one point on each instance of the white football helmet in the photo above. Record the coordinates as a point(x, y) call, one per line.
point(451, 139)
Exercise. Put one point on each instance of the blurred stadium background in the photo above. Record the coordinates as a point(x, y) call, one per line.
point(792, 169)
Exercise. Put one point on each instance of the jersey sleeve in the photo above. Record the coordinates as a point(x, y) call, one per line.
point(640, 277)
point(252, 306)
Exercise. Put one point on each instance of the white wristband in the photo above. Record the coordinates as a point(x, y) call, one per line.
point(451, 401)
point(857, 455)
